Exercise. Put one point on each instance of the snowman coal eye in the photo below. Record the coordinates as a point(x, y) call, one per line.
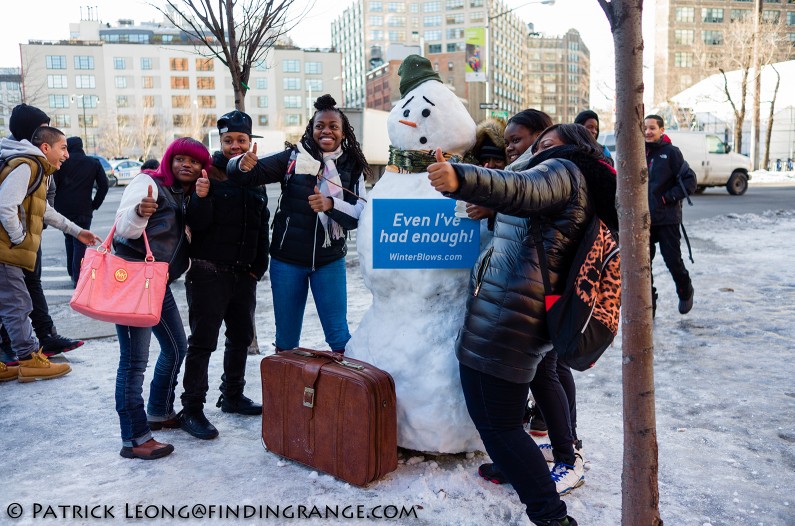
point(426, 112)
point(406, 114)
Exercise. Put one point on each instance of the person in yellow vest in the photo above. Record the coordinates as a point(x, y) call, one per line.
point(27, 164)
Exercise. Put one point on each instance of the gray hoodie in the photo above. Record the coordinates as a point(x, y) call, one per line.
point(14, 188)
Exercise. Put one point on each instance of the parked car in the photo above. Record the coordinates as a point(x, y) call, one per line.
point(710, 158)
point(125, 170)
point(111, 175)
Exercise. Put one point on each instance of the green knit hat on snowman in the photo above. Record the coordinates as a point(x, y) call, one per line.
point(414, 71)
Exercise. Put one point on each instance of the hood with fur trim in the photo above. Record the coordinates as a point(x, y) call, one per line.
point(489, 135)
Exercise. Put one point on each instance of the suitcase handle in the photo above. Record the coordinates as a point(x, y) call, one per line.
point(335, 356)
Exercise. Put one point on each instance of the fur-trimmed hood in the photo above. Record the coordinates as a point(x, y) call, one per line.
point(489, 133)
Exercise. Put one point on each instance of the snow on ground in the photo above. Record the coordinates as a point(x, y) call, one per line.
point(764, 176)
point(725, 420)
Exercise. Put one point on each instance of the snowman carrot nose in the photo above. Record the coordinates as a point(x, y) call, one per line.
point(408, 123)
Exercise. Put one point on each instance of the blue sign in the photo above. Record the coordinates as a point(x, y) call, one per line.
point(422, 233)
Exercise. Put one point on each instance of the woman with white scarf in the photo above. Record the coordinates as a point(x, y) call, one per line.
point(323, 194)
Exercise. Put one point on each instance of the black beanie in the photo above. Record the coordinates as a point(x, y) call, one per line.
point(24, 121)
point(584, 115)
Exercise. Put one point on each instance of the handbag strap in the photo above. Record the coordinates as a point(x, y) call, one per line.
point(106, 244)
point(535, 228)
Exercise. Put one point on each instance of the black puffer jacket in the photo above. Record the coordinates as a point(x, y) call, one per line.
point(75, 182)
point(666, 169)
point(504, 332)
point(297, 231)
point(230, 225)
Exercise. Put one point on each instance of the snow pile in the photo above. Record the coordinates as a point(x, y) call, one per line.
point(764, 176)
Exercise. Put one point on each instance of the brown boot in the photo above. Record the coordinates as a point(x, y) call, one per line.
point(149, 450)
point(38, 367)
point(8, 372)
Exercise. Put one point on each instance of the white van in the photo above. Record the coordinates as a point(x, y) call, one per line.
point(710, 158)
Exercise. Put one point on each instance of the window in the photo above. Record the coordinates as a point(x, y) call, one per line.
point(434, 48)
point(205, 82)
point(454, 4)
point(395, 7)
point(205, 64)
point(57, 81)
point(261, 66)
point(262, 101)
point(292, 101)
point(313, 68)
point(712, 38)
point(149, 101)
point(292, 119)
point(771, 16)
point(291, 66)
point(712, 15)
point(179, 83)
point(431, 7)
point(261, 83)
point(314, 85)
point(206, 101)
point(291, 83)
point(791, 18)
point(415, 7)
point(62, 121)
point(181, 120)
point(88, 121)
point(84, 62)
point(262, 120)
point(739, 14)
point(432, 21)
point(685, 14)
point(477, 16)
point(180, 101)
point(59, 101)
point(121, 82)
point(715, 145)
point(377, 20)
point(683, 36)
point(55, 61)
point(146, 63)
point(455, 18)
point(397, 36)
point(376, 6)
point(85, 81)
point(147, 82)
point(453, 47)
point(178, 64)
point(122, 101)
point(683, 59)
point(475, 3)
point(449, 66)
point(396, 21)
point(455, 33)
point(119, 63)
point(433, 35)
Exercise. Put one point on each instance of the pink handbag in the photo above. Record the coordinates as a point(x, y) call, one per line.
point(119, 291)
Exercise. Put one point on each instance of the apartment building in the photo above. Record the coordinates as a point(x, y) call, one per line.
point(691, 36)
point(366, 30)
point(559, 79)
point(130, 89)
point(10, 96)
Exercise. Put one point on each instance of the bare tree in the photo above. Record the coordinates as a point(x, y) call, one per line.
point(770, 118)
point(148, 132)
point(239, 33)
point(117, 139)
point(640, 492)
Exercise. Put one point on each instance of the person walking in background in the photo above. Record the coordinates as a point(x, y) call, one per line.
point(497, 361)
point(150, 164)
point(229, 255)
point(670, 181)
point(75, 182)
point(155, 202)
point(323, 194)
point(23, 211)
point(590, 120)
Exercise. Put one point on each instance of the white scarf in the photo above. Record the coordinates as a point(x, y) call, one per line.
point(331, 186)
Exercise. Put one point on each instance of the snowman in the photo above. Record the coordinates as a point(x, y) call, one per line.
point(411, 328)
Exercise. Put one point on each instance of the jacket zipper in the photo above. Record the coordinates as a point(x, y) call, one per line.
point(606, 260)
point(482, 270)
point(286, 226)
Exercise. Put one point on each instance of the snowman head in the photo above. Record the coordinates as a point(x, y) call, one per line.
point(429, 115)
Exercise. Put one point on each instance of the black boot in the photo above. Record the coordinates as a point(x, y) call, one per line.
point(686, 301)
point(239, 404)
point(195, 423)
point(565, 521)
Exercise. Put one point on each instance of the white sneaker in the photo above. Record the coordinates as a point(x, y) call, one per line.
point(579, 459)
point(546, 450)
point(565, 478)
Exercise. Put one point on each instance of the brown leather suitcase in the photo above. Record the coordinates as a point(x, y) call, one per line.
point(329, 412)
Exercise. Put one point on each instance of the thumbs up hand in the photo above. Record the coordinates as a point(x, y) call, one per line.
point(319, 202)
point(147, 206)
point(249, 159)
point(442, 175)
point(203, 185)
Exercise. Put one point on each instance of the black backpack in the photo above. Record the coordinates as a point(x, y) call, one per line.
point(583, 321)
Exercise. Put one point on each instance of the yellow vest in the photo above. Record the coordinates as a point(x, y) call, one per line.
point(31, 216)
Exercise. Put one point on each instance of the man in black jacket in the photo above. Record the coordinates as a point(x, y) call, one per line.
point(74, 184)
point(670, 181)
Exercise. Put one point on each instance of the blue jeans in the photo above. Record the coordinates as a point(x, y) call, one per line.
point(496, 407)
point(134, 344)
point(290, 286)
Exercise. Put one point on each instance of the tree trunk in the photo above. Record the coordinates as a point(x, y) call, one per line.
point(640, 491)
point(766, 162)
point(757, 86)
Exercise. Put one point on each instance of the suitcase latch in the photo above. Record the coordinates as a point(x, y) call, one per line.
point(309, 397)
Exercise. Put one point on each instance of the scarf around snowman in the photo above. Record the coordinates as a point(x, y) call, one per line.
point(329, 184)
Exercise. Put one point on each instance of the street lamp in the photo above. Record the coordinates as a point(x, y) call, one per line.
point(489, 67)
